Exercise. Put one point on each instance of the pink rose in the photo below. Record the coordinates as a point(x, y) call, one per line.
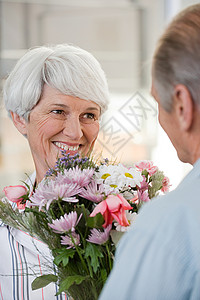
point(15, 194)
point(146, 165)
point(113, 207)
point(165, 185)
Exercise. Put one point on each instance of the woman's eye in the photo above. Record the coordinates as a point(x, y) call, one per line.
point(57, 111)
point(89, 116)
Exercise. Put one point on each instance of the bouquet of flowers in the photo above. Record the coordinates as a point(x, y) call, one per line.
point(80, 210)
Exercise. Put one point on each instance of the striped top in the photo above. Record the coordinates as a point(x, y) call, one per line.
point(23, 258)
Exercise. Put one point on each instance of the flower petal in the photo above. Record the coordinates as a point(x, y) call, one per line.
point(100, 208)
point(124, 202)
point(113, 203)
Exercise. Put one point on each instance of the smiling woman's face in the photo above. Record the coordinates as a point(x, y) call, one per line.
point(60, 122)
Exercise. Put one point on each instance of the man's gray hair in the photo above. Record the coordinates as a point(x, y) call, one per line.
point(177, 57)
point(69, 69)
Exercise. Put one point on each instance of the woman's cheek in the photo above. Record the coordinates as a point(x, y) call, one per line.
point(95, 131)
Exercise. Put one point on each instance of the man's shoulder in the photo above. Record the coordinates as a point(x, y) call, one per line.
point(172, 219)
point(179, 207)
point(185, 196)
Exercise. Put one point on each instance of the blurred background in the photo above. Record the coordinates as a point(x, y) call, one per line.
point(122, 35)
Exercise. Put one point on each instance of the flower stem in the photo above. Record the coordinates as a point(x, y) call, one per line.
point(109, 258)
point(90, 268)
point(79, 254)
point(85, 216)
point(52, 213)
point(61, 209)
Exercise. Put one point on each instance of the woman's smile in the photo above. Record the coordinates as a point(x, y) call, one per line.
point(66, 147)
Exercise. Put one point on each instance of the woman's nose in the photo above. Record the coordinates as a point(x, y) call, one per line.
point(73, 129)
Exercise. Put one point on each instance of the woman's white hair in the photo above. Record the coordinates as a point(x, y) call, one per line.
point(70, 69)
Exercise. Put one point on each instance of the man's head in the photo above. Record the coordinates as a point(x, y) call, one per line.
point(176, 82)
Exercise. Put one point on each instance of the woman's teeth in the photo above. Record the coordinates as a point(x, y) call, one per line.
point(66, 147)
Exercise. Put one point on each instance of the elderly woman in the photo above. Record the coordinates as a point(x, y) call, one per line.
point(55, 97)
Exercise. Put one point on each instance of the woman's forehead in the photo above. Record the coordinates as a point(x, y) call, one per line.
point(52, 96)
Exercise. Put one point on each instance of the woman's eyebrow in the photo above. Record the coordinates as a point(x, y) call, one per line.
point(92, 108)
point(60, 104)
point(68, 107)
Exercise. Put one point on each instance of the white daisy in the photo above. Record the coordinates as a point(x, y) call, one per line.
point(128, 177)
point(108, 175)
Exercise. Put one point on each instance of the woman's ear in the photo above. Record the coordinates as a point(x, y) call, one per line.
point(184, 106)
point(19, 122)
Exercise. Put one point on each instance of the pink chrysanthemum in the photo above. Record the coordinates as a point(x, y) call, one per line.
point(39, 197)
point(66, 223)
point(93, 192)
point(144, 184)
point(51, 190)
point(76, 175)
point(99, 237)
point(70, 242)
point(143, 196)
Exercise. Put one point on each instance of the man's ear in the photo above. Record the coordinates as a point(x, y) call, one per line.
point(19, 123)
point(184, 106)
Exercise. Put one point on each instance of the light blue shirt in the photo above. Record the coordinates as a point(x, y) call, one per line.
point(159, 258)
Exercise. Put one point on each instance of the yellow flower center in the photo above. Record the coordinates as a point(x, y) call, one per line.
point(106, 175)
point(113, 185)
point(128, 175)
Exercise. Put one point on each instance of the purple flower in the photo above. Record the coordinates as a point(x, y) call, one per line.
point(48, 191)
point(99, 237)
point(67, 240)
point(39, 197)
point(93, 192)
point(76, 175)
point(66, 223)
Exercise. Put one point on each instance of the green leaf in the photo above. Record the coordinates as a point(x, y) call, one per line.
point(145, 173)
point(43, 281)
point(69, 281)
point(94, 253)
point(63, 256)
point(104, 275)
point(96, 221)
